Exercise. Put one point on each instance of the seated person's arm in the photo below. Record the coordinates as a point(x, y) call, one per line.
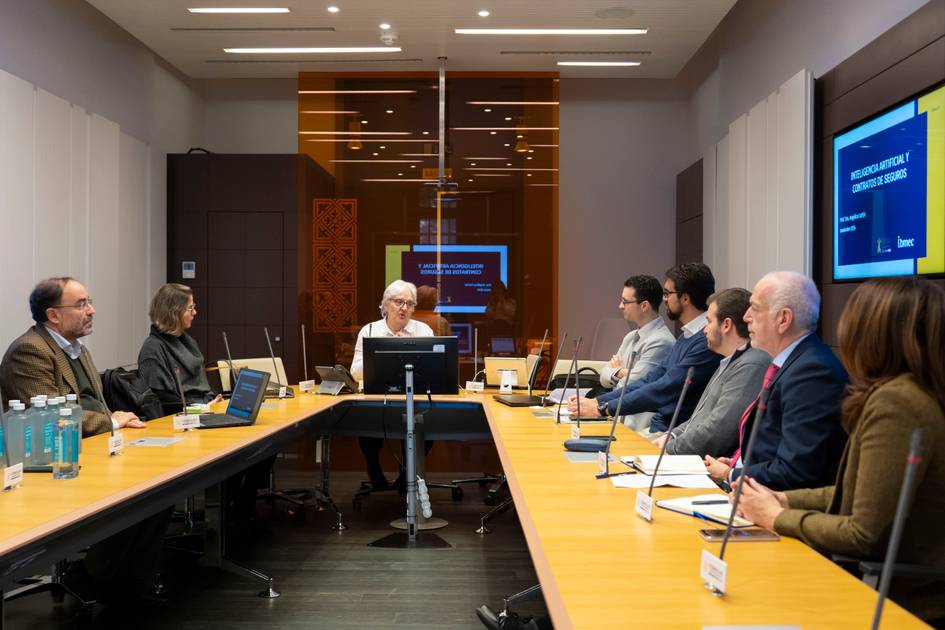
point(357, 363)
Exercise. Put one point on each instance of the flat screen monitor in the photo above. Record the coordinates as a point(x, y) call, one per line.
point(889, 192)
point(435, 363)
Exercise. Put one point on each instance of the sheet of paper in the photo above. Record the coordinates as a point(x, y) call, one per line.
point(675, 481)
point(560, 394)
point(198, 408)
point(154, 441)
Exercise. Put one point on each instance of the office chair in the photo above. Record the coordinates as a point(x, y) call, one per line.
point(506, 619)
point(870, 570)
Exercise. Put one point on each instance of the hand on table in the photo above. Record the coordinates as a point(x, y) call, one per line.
point(128, 419)
point(759, 504)
point(719, 468)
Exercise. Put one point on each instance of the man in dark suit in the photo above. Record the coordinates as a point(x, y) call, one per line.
point(799, 441)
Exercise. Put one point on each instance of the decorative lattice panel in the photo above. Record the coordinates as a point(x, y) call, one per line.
point(335, 260)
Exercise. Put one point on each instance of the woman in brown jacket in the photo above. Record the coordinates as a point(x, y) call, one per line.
point(892, 339)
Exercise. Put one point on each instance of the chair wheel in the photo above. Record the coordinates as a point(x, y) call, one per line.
point(490, 499)
point(457, 493)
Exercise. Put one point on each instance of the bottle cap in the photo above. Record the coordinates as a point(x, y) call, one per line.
point(65, 411)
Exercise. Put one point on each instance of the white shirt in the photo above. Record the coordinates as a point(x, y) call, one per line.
point(380, 328)
point(695, 326)
point(73, 349)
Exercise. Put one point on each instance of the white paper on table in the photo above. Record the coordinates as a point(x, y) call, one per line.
point(559, 395)
point(676, 481)
point(154, 441)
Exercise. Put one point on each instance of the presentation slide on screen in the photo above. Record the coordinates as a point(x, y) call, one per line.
point(889, 193)
point(465, 272)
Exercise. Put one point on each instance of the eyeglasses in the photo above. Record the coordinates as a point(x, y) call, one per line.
point(624, 302)
point(191, 308)
point(669, 293)
point(81, 305)
point(400, 303)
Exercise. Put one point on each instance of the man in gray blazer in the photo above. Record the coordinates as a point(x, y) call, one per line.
point(649, 341)
point(713, 427)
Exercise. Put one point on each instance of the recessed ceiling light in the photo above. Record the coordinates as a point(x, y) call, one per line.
point(330, 111)
point(383, 146)
point(610, 64)
point(529, 158)
point(400, 174)
point(470, 179)
point(550, 31)
point(426, 133)
point(483, 13)
point(358, 91)
point(509, 164)
point(384, 26)
point(487, 110)
point(492, 133)
point(364, 122)
point(507, 144)
point(472, 163)
point(239, 10)
point(508, 118)
point(355, 133)
point(504, 128)
point(313, 51)
point(333, 9)
point(413, 166)
point(375, 154)
point(528, 174)
point(388, 111)
point(511, 102)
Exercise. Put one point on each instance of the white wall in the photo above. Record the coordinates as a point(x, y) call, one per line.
point(87, 116)
point(250, 115)
point(622, 144)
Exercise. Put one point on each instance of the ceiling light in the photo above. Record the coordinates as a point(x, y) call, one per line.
point(354, 133)
point(333, 9)
point(470, 179)
point(487, 110)
point(508, 118)
point(413, 166)
point(550, 31)
point(472, 163)
point(528, 174)
point(364, 122)
point(529, 158)
point(329, 111)
point(507, 144)
point(365, 140)
point(483, 13)
point(375, 154)
point(485, 158)
point(426, 133)
point(388, 111)
point(492, 133)
point(607, 64)
point(383, 146)
point(398, 180)
point(504, 168)
point(375, 161)
point(504, 128)
point(239, 10)
point(384, 26)
point(313, 51)
point(509, 164)
point(358, 92)
point(400, 174)
point(511, 102)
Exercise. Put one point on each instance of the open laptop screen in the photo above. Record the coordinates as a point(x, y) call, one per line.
point(248, 393)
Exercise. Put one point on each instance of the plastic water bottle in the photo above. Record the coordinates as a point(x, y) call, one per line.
point(16, 422)
point(66, 464)
point(52, 422)
point(43, 432)
point(72, 402)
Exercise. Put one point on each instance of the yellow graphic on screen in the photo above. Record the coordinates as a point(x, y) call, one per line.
point(933, 104)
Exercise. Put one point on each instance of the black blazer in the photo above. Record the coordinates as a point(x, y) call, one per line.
point(800, 440)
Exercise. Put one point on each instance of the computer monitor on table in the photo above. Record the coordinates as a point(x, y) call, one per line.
point(435, 363)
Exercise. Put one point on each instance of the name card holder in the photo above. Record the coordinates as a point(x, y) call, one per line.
point(12, 476)
point(116, 443)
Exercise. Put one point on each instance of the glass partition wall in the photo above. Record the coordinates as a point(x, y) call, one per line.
point(480, 242)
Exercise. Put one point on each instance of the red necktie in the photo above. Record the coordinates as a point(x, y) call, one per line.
point(750, 409)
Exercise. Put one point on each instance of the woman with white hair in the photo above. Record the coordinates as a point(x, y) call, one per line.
point(397, 307)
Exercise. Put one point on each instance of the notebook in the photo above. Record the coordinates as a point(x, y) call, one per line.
point(713, 507)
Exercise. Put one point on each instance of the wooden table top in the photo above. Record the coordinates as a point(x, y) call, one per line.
point(599, 564)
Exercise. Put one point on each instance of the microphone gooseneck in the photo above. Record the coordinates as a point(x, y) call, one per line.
point(672, 425)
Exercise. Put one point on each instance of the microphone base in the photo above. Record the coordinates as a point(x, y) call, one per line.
point(589, 444)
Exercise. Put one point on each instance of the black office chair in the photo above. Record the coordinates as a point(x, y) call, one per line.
point(869, 571)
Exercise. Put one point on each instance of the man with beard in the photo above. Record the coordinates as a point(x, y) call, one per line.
point(50, 359)
point(686, 289)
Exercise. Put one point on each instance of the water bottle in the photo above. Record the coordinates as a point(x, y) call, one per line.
point(52, 422)
point(42, 435)
point(72, 402)
point(16, 421)
point(66, 464)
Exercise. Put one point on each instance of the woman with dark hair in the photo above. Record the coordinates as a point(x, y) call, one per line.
point(169, 348)
point(892, 337)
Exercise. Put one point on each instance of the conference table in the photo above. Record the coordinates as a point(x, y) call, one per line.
point(600, 565)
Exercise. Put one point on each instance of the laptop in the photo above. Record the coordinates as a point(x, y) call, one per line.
point(247, 398)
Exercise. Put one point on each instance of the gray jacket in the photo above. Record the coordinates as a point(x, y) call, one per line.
point(713, 427)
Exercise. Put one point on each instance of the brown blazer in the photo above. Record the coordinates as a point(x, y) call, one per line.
point(854, 517)
point(34, 364)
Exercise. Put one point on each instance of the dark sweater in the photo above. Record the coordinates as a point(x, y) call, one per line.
point(160, 354)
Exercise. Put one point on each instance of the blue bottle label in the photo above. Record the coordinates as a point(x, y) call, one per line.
point(27, 441)
point(49, 437)
point(2, 440)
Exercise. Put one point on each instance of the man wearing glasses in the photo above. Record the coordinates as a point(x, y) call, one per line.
point(397, 308)
point(49, 358)
point(648, 342)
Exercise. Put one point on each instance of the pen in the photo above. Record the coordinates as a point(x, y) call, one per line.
point(711, 502)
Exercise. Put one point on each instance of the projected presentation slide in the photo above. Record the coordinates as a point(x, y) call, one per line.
point(466, 272)
point(889, 193)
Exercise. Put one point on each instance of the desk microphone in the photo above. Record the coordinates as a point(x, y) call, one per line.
point(475, 353)
point(304, 355)
point(180, 390)
point(672, 425)
point(551, 372)
point(595, 444)
point(746, 460)
point(913, 460)
point(229, 361)
point(275, 368)
point(567, 379)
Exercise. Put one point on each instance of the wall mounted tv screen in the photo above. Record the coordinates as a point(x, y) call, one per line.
point(889, 192)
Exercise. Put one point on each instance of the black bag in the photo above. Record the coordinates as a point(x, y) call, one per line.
point(124, 391)
point(587, 377)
